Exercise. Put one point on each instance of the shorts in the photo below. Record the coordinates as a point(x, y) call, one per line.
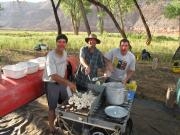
point(56, 93)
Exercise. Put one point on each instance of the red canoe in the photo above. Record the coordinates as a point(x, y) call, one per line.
point(15, 93)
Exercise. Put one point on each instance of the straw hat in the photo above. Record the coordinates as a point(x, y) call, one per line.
point(92, 36)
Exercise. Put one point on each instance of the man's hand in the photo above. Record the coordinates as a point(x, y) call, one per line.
point(72, 86)
point(124, 82)
point(107, 73)
point(87, 70)
point(109, 66)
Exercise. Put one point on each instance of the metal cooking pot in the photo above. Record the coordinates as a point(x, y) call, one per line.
point(115, 93)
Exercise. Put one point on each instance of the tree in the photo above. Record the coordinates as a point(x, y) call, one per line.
point(144, 22)
point(100, 21)
point(71, 8)
point(83, 12)
point(96, 3)
point(117, 10)
point(172, 10)
point(120, 8)
point(55, 9)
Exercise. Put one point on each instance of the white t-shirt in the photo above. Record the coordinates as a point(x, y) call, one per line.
point(122, 63)
point(55, 64)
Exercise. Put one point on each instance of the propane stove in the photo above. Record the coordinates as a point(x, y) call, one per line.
point(81, 115)
point(95, 116)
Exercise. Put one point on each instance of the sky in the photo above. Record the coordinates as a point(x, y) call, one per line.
point(35, 1)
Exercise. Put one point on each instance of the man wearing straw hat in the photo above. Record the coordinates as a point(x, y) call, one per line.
point(91, 60)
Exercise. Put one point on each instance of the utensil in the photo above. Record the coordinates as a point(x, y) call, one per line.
point(108, 74)
point(89, 77)
point(77, 93)
point(69, 91)
point(116, 111)
point(97, 78)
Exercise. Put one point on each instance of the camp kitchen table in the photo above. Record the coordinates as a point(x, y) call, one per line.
point(95, 117)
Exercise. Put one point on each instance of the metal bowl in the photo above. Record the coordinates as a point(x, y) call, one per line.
point(116, 111)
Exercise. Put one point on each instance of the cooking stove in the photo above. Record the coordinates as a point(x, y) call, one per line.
point(95, 116)
point(100, 113)
point(82, 114)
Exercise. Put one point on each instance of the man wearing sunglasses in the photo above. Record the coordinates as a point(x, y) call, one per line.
point(54, 78)
point(123, 61)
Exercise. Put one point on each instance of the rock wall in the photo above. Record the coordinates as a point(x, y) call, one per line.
point(39, 16)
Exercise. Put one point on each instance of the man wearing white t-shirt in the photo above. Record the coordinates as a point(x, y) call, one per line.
point(123, 62)
point(54, 78)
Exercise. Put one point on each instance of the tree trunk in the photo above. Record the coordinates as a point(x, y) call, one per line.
point(148, 41)
point(121, 16)
point(84, 17)
point(56, 16)
point(75, 23)
point(76, 27)
point(111, 15)
point(100, 21)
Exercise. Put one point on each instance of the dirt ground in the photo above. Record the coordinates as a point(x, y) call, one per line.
point(149, 113)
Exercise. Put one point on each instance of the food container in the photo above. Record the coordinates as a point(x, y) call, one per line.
point(115, 93)
point(43, 47)
point(131, 86)
point(14, 71)
point(116, 111)
point(40, 61)
point(31, 67)
point(130, 95)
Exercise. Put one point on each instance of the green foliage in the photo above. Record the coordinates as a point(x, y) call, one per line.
point(26, 40)
point(172, 10)
point(119, 9)
point(164, 38)
point(72, 8)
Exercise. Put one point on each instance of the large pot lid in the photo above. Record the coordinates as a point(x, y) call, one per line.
point(116, 111)
point(115, 85)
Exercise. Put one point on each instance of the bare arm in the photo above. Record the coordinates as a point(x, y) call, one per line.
point(84, 63)
point(109, 65)
point(129, 75)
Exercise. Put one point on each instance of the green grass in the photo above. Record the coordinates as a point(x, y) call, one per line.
point(161, 46)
